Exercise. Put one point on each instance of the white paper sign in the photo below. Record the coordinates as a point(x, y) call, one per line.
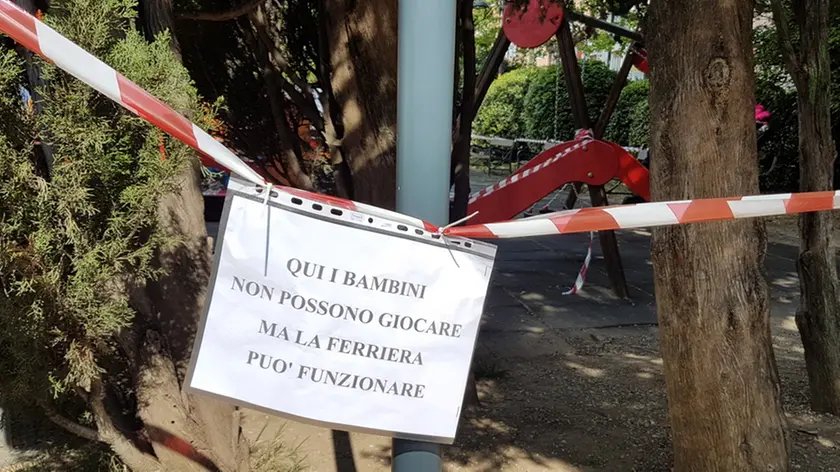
point(330, 316)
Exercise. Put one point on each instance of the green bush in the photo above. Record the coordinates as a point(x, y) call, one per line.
point(525, 102)
point(598, 79)
point(500, 113)
point(538, 113)
point(77, 244)
point(639, 129)
point(624, 118)
point(548, 112)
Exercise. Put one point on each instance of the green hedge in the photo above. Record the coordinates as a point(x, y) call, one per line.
point(629, 123)
point(598, 80)
point(539, 101)
point(525, 103)
point(639, 129)
point(547, 100)
point(500, 114)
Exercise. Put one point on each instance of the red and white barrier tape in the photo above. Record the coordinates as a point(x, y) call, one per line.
point(522, 174)
point(582, 136)
point(45, 41)
point(584, 268)
point(647, 215)
point(581, 277)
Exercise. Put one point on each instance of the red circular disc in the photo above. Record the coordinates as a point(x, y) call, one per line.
point(640, 60)
point(533, 26)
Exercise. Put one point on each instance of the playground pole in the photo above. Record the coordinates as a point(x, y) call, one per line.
point(424, 134)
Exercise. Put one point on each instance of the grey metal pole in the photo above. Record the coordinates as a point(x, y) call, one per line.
point(424, 107)
point(424, 133)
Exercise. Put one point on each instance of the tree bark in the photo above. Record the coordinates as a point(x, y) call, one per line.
point(818, 317)
point(712, 298)
point(130, 455)
point(362, 40)
point(461, 148)
point(290, 157)
point(168, 314)
point(157, 18)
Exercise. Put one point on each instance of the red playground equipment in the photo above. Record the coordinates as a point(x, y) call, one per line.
point(587, 159)
point(584, 160)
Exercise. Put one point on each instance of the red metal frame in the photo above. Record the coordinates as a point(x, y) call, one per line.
point(595, 163)
point(581, 165)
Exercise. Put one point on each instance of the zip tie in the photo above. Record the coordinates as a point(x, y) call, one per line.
point(268, 188)
point(456, 223)
point(582, 134)
point(443, 236)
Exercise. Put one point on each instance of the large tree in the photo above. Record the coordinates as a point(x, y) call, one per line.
point(104, 255)
point(818, 317)
point(174, 301)
point(712, 297)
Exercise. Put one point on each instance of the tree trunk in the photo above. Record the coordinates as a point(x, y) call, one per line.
point(362, 39)
point(186, 430)
point(818, 317)
point(461, 149)
point(290, 157)
point(168, 314)
point(712, 297)
point(157, 17)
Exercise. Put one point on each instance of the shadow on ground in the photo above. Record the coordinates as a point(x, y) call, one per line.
point(568, 383)
point(575, 383)
point(29, 440)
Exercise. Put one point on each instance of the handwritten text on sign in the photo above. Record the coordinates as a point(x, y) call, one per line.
point(341, 321)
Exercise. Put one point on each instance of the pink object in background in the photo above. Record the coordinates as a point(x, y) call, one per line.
point(761, 115)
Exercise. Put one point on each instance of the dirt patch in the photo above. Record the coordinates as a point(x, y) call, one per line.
point(564, 399)
point(603, 407)
point(599, 405)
